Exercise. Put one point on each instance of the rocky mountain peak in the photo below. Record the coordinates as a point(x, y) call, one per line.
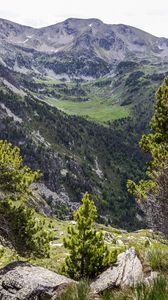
point(94, 44)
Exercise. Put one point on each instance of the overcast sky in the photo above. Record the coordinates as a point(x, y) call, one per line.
point(149, 15)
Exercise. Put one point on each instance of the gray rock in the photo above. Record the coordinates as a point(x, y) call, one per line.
point(126, 272)
point(156, 212)
point(150, 279)
point(22, 281)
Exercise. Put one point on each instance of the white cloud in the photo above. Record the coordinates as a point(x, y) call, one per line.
point(151, 16)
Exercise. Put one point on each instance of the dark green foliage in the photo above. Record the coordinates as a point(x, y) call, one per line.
point(88, 253)
point(87, 64)
point(18, 223)
point(132, 79)
point(156, 143)
point(126, 66)
point(103, 83)
point(14, 177)
point(24, 229)
point(77, 143)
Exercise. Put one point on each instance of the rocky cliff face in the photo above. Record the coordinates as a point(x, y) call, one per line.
point(156, 212)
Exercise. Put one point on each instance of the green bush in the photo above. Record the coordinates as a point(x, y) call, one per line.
point(157, 258)
point(18, 223)
point(25, 231)
point(14, 176)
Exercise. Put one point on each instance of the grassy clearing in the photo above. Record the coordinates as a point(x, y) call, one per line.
point(96, 110)
point(103, 106)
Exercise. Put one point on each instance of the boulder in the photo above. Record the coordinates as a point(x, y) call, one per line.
point(127, 271)
point(23, 281)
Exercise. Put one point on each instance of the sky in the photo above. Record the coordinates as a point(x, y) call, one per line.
point(149, 15)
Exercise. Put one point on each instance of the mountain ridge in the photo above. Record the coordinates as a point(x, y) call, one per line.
point(77, 19)
point(88, 43)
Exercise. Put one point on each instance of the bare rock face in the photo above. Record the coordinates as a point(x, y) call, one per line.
point(156, 212)
point(127, 271)
point(22, 281)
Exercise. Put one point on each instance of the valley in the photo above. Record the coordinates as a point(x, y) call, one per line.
point(79, 199)
point(76, 97)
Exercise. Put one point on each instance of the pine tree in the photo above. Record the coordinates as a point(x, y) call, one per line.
point(27, 233)
point(88, 253)
point(18, 223)
point(155, 188)
point(14, 177)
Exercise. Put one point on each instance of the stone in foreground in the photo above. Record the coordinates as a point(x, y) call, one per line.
point(22, 281)
point(127, 271)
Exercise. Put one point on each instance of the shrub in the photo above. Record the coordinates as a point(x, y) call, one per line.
point(24, 230)
point(14, 177)
point(157, 258)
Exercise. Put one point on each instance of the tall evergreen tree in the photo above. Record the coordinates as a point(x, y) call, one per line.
point(27, 233)
point(88, 253)
point(153, 192)
point(18, 223)
point(14, 176)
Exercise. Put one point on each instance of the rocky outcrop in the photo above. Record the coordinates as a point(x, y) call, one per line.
point(156, 212)
point(127, 271)
point(22, 281)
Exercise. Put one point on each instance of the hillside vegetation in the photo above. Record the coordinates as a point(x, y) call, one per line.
point(76, 97)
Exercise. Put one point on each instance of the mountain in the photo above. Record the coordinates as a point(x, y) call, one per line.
point(76, 97)
point(76, 47)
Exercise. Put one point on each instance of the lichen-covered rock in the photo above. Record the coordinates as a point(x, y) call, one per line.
point(22, 281)
point(127, 271)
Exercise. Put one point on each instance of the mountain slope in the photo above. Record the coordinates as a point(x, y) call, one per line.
point(97, 71)
point(74, 155)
